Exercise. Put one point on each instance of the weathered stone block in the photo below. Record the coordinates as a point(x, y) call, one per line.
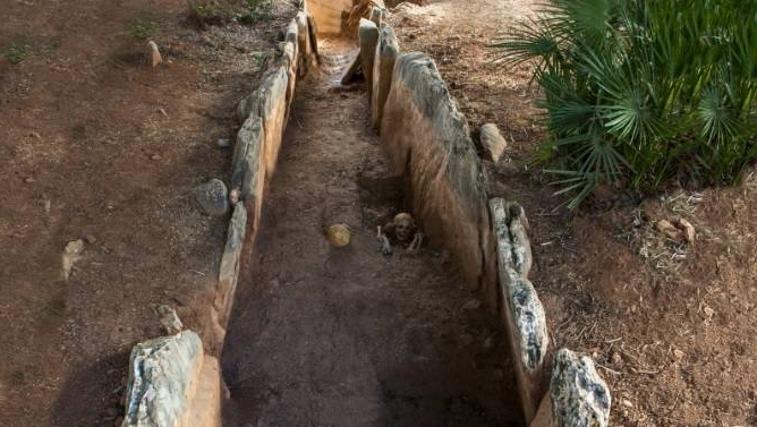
point(368, 35)
point(428, 142)
point(229, 271)
point(163, 376)
point(579, 396)
point(522, 310)
point(387, 51)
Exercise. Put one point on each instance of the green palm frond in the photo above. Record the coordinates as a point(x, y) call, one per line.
point(644, 90)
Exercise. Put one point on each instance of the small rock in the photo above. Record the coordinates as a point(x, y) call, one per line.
point(627, 403)
point(213, 197)
point(224, 142)
point(156, 157)
point(492, 141)
point(339, 235)
point(71, 254)
point(617, 359)
point(688, 230)
point(709, 312)
point(154, 56)
point(35, 134)
point(668, 229)
point(29, 180)
point(678, 354)
point(169, 319)
point(235, 196)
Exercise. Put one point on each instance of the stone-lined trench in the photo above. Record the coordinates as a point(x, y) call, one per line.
point(345, 336)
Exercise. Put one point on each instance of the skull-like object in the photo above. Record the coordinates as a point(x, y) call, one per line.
point(404, 227)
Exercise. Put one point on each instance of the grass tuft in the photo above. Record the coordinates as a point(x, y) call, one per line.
point(17, 52)
point(143, 27)
point(641, 92)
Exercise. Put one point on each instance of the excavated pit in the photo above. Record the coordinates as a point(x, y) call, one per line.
point(329, 336)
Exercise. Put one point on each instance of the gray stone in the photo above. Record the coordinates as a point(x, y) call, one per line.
point(580, 397)
point(368, 35)
point(522, 310)
point(514, 261)
point(223, 142)
point(387, 51)
point(213, 197)
point(163, 375)
point(492, 142)
point(230, 260)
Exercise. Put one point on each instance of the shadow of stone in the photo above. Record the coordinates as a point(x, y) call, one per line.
point(82, 403)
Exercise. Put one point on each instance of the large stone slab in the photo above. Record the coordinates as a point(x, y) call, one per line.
point(522, 311)
point(387, 51)
point(230, 262)
point(164, 375)
point(579, 396)
point(259, 139)
point(368, 35)
point(428, 142)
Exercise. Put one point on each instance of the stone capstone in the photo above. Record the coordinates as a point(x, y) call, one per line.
point(213, 197)
point(580, 397)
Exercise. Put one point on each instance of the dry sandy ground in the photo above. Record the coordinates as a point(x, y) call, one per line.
point(672, 326)
point(96, 146)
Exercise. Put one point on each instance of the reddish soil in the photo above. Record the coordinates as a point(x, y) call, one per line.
point(347, 336)
point(96, 146)
point(672, 326)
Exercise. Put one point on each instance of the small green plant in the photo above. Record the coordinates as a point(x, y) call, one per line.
point(209, 12)
point(257, 11)
point(143, 27)
point(17, 52)
point(638, 92)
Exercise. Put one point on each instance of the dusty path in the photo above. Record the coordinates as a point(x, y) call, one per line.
point(346, 337)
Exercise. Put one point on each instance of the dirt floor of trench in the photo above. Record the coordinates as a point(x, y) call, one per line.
point(329, 336)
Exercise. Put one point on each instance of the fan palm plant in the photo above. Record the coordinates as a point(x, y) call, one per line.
point(642, 91)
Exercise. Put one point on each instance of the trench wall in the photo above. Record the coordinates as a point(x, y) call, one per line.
point(428, 142)
point(175, 380)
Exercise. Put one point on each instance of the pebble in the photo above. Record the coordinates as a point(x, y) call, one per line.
point(224, 142)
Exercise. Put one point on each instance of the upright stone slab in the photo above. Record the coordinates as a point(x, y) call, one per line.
point(164, 374)
point(387, 51)
point(368, 35)
point(229, 271)
point(522, 311)
point(428, 142)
